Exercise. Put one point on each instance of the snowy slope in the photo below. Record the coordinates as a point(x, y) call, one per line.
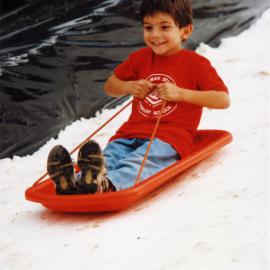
point(213, 216)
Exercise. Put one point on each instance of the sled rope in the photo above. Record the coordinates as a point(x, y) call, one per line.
point(101, 127)
point(138, 178)
point(89, 137)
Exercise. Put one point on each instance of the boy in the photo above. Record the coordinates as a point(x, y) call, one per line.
point(162, 71)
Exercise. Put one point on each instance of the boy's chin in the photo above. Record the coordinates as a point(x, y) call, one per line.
point(162, 52)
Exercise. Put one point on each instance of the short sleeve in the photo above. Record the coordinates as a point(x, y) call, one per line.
point(126, 70)
point(207, 76)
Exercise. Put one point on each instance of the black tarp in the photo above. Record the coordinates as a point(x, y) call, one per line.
point(56, 55)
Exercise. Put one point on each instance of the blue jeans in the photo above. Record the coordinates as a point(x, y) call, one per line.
point(123, 158)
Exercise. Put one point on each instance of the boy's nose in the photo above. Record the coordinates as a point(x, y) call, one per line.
point(155, 32)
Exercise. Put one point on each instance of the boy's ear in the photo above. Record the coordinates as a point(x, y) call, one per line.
point(186, 31)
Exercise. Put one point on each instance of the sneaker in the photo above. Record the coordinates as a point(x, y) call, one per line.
point(61, 171)
point(93, 171)
point(103, 184)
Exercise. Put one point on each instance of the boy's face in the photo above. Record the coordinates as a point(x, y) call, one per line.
point(161, 34)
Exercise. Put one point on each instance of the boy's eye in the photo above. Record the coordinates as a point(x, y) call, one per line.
point(147, 28)
point(165, 27)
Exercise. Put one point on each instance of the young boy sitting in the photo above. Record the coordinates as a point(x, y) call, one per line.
point(162, 71)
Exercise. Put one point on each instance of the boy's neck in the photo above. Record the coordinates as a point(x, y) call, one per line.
point(168, 55)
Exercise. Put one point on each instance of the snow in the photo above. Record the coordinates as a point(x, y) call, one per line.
point(213, 216)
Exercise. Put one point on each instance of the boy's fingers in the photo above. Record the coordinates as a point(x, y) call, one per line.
point(140, 91)
point(142, 86)
point(149, 85)
point(143, 90)
point(159, 88)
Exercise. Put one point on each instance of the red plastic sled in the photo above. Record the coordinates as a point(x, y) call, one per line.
point(206, 143)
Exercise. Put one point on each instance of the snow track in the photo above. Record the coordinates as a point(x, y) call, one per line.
point(213, 216)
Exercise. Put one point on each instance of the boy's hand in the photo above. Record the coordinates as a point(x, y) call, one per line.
point(139, 89)
point(170, 92)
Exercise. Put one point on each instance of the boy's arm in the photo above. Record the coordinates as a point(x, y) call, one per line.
point(211, 99)
point(115, 87)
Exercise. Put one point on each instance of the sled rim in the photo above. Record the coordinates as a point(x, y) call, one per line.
point(113, 201)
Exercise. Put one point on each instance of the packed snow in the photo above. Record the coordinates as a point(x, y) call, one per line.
point(213, 216)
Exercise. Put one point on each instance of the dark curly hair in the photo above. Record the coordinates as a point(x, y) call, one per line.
point(179, 10)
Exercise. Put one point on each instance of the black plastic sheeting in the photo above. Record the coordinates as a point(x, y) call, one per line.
point(56, 55)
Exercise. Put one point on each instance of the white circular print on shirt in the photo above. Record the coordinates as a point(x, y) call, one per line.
point(151, 105)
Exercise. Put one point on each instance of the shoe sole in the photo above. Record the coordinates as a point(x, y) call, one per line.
point(91, 162)
point(61, 170)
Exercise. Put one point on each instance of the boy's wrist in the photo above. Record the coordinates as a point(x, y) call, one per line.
point(186, 95)
point(126, 88)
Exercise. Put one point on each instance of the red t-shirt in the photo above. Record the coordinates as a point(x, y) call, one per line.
point(180, 120)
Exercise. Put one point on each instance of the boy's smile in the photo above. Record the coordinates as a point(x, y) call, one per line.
point(161, 34)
